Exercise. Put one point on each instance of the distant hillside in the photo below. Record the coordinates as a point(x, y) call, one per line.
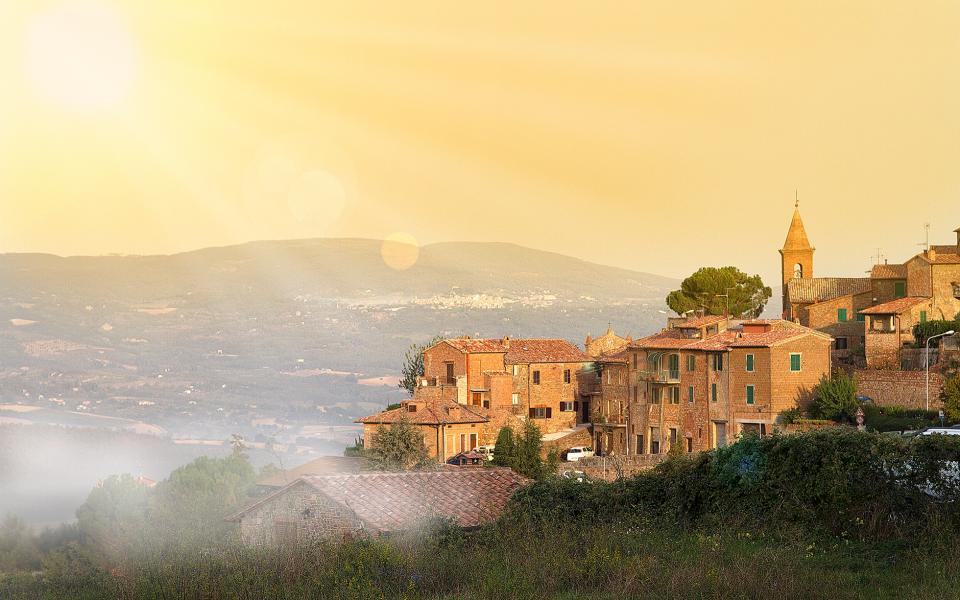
point(306, 331)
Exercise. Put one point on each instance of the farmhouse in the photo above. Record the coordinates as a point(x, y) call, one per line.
point(332, 507)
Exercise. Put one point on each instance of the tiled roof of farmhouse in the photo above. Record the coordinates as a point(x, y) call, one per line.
point(429, 412)
point(397, 501)
point(523, 351)
point(818, 289)
point(886, 271)
point(894, 307)
point(400, 500)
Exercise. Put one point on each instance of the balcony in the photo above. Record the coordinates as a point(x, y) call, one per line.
point(660, 376)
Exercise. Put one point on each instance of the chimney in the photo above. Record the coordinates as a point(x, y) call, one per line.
point(957, 231)
point(931, 254)
point(590, 337)
point(506, 342)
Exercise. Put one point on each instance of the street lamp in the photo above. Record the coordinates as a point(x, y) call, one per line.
point(926, 356)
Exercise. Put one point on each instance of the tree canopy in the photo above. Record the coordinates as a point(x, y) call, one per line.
point(715, 289)
point(835, 397)
point(412, 368)
point(399, 447)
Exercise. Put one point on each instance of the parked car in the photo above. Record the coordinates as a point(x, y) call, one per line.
point(576, 453)
point(941, 430)
point(486, 451)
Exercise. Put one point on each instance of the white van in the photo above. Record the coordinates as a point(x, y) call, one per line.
point(576, 453)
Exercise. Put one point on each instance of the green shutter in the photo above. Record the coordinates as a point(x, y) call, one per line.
point(750, 363)
point(900, 289)
point(690, 394)
point(861, 317)
point(923, 316)
point(713, 392)
point(691, 362)
point(794, 362)
point(749, 394)
point(841, 315)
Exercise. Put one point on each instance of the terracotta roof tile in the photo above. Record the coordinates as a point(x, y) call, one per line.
point(397, 501)
point(894, 307)
point(671, 339)
point(818, 289)
point(886, 271)
point(429, 412)
point(536, 350)
point(699, 322)
point(945, 255)
point(523, 351)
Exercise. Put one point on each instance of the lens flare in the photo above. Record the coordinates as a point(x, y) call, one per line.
point(400, 251)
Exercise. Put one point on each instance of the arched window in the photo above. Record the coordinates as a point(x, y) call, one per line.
point(798, 271)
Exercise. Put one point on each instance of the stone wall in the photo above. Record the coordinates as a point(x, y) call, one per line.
point(609, 468)
point(899, 388)
point(297, 516)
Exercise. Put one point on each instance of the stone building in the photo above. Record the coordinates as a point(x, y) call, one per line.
point(704, 380)
point(894, 296)
point(606, 390)
point(448, 427)
point(489, 384)
point(333, 507)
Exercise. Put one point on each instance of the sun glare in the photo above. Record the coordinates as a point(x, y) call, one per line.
point(80, 55)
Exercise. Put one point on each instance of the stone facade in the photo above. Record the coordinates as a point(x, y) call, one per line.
point(298, 516)
point(700, 387)
point(900, 388)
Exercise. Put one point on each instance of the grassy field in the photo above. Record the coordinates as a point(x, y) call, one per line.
point(517, 560)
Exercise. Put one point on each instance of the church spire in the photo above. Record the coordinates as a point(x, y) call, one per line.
point(797, 235)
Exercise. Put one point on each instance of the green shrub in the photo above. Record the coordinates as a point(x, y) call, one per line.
point(835, 397)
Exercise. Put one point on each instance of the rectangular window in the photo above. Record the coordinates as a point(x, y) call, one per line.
point(841, 343)
point(477, 398)
point(541, 412)
point(536, 378)
point(640, 448)
point(567, 407)
point(655, 395)
point(515, 398)
point(636, 394)
point(673, 436)
point(900, 289)
point(923, 316)
point(566, 375)
point(609, 377)
point(516, 370)
point(718, 362)
point(690, 394)
point(749, 363)
point(841, 315)
point(861, 317)
point(634, 361)
point(750, 398)
point(689, 444)
point(795, 362)
point(674, 395)
point(450, 378)
point(691, 362)
point(713, 392)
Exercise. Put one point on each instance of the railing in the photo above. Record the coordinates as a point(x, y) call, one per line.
point(661, 375)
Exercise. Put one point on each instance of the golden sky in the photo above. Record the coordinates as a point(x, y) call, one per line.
point(655, 136)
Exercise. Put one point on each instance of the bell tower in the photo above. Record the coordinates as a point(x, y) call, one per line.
point(796, 257)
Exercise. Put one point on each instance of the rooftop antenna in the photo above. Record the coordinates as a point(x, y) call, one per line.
point(796, 198)
point(926, 243)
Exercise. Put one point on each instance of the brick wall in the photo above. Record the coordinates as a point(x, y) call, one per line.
point(435, 359)
point(823, 317)
point(899, 388)
point(548, 393)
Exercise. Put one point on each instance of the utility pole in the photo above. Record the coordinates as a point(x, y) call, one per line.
point(926, 354)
